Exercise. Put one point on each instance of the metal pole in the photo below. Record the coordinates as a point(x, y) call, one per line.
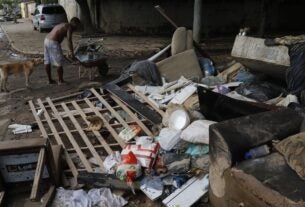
point(197, 20)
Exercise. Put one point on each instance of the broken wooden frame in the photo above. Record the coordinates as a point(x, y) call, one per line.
point(84, 149)
point(12, 170)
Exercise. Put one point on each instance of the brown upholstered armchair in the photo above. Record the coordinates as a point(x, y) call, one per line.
point(261, 182)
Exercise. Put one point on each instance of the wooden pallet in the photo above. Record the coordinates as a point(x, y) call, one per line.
point(66, 124)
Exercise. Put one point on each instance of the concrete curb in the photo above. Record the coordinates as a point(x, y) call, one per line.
point(10, 41)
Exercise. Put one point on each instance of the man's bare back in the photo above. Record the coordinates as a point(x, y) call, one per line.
point(59, 32)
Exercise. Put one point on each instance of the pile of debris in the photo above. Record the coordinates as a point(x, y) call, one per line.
point(147, 131)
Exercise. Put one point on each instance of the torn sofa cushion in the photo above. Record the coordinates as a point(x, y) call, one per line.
point(293, 149)
point(183, 64)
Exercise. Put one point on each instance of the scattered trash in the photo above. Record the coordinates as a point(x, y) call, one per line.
point(207, 67)
point(179, 119)
point(145, 153)
point(152, 187)
point(129, 133)
point(168, 138)
point(189, 193)
point(20, 128)
point(112, 161)
point(129, 169)
point(197, 132)
point(95, 197)
point(95, 123)
point(257, 152)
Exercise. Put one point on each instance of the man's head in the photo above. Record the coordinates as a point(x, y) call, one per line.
point(75, 23)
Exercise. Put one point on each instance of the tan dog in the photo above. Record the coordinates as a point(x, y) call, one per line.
point(26, 67)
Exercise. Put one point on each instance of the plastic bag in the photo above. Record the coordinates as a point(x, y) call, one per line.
point(168, 138)
point(262, 91)
point(129, 169)
point(145, 154)
point(197, 132)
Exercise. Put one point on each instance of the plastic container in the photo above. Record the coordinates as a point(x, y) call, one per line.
point(207, 67)
point(257, 152)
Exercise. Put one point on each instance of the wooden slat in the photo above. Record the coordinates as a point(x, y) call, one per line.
point(70, 137)
point(95, 146)
point(107, 125)
point(133, 116)
point(162, 113)
point(84, 137)
point(113, 112)
point(97, 134)
point(112, 125)
point(67, 102)
point(101, 110)
point(38, 174)
point(38, 121)
point(64, 97)
point(58, 139)
point(23, 144)
point(48, 198)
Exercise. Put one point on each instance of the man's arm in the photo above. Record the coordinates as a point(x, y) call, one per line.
point(70, 43)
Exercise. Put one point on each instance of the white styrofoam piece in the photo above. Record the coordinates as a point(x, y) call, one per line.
point(189, 193)
point(151, 193)
point(184, 94)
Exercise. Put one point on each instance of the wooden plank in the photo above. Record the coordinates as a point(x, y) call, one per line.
point(130, 113)
point(84, 137)
point(134, 103)
point(48, 198)
point(101, 110)
point(64, 97)
point(2, 194)
point(112, 125)
point(22, 144)
point(38, 174)
point(97, 134)
point(107, 125)
point(67, 102)
point(113, 112)
point(162, 113)
point(58, 139)
point(56, 151)
point(38, 121)
point(70, 137)
point(95, 146)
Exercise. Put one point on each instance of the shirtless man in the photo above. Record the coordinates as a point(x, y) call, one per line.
point(53, 55)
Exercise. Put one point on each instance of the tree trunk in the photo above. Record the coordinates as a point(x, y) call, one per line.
point(86, 18)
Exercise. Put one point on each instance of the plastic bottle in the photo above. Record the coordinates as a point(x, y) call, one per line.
point(257, 152)
point(207, 66)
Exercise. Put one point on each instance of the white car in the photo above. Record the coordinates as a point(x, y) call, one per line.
point(47, 16)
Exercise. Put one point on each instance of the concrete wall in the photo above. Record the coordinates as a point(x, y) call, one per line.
point(220, 17)
point(71, 7)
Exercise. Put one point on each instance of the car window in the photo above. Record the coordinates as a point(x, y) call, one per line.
point(53, 10)
point(36, 12)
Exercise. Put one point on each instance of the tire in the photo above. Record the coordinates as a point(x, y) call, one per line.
point(103, 69)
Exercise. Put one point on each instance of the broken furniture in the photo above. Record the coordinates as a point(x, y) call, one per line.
point(265, 181)
point(255, 55)
point(28, 160)
point(66, 124)
point(218, 107)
